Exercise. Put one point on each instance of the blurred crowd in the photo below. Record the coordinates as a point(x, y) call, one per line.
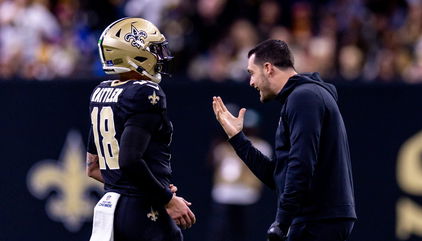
point(344, 40)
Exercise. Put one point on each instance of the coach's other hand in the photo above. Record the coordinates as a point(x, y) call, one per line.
point(179, 211)
point(275, 233)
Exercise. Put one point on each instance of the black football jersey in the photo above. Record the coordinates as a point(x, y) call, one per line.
point(111, 104)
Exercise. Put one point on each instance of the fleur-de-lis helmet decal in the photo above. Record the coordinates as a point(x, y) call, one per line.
point(136, 37)
point(134, 44)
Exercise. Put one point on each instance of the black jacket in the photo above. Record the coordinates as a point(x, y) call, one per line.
point(311, 172)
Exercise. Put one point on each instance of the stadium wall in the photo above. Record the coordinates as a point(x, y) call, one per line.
point(46, 196)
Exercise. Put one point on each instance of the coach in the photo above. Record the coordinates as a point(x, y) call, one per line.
point(311, 173)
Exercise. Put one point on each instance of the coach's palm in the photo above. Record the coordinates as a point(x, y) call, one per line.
point(231, 125)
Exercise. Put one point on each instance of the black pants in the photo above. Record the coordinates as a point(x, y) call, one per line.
point(322, 230)
point(131, 222)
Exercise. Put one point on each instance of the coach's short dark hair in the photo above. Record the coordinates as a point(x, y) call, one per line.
point(274, 51)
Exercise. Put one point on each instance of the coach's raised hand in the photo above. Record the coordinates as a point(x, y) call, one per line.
point(231, 125)
point(179, 211)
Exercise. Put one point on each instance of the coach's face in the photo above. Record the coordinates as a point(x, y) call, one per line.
point(259, 79)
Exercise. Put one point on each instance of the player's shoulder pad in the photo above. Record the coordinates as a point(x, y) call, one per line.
point(146, 96)
point(106, 82)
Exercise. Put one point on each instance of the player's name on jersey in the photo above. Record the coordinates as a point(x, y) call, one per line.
point(105, 95)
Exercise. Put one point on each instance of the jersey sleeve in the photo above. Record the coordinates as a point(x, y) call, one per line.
point(146, 121)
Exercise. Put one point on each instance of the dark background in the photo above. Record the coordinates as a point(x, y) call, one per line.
point(37, 116)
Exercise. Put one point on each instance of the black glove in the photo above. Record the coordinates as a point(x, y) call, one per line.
point(276, 233)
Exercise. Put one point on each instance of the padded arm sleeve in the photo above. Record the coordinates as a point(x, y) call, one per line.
point(133, 143)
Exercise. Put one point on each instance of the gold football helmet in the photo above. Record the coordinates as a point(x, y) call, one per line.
point(133, 44)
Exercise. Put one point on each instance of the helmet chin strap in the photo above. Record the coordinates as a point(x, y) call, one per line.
point(156, 78)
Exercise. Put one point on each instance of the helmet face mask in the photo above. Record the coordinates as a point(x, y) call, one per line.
point(161, 50)
point(133, 44)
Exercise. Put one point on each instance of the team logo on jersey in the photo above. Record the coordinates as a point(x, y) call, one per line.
point(153, 215)
point(154, 98)
point(136, 36)
point(71, 204)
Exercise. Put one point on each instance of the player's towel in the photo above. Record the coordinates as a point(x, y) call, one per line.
point(102, 228)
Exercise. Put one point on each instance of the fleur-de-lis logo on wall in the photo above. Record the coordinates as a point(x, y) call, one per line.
point(136, 36)
point(72, 204)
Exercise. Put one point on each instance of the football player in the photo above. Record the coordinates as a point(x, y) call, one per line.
point(128, 147)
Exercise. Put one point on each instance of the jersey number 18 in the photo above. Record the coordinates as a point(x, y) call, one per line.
point(110, 145)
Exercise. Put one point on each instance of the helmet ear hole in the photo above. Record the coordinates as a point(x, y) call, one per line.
point(140, 59)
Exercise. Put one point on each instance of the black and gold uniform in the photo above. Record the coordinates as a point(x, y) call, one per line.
point(131, 135)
